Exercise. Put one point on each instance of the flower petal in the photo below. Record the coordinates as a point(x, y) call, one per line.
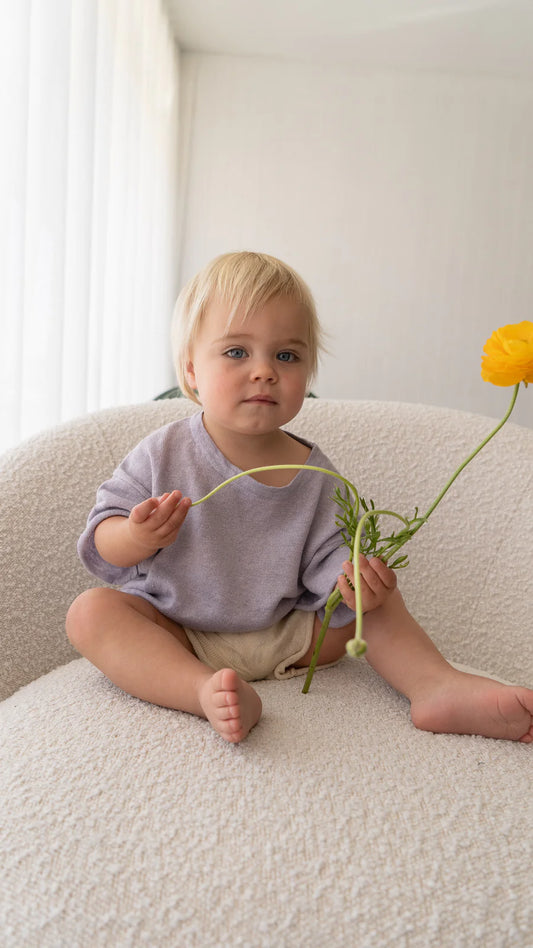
point(508, 355)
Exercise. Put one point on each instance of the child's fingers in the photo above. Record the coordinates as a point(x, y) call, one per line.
point(348, 569)
point(347, 595)
point(385, 574)
point(157, 509)
point(369, 595)
point(166, 506)
point(142, 511)
point(374, 574)
point(346, 589)
point(178, 513)
point(166, 521)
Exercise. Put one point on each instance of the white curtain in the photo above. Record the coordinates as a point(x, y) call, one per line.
point(89, 207)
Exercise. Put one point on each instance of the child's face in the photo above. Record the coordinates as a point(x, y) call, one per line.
point(252, 379)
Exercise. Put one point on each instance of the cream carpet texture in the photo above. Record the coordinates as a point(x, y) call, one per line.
point(336, 823)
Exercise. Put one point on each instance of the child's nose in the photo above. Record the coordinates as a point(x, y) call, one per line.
point(264, 369)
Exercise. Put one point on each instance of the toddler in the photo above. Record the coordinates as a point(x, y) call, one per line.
point(233, 591)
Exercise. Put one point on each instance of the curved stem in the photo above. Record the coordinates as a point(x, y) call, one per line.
point(284, 467)
point(470, 457)
point(357, 645)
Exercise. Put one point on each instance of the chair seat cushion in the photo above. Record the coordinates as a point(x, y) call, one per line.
point(335, 823)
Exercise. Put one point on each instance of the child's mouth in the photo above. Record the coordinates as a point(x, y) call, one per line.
point(260, 400)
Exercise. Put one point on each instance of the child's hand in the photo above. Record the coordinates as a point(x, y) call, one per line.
point(377, 583)
point(156, 522)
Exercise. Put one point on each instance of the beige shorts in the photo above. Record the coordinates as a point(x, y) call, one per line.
point(267, 653)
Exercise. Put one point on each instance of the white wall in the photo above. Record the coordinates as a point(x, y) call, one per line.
point(404, 200)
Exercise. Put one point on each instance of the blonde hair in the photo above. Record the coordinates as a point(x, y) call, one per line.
point(244, 281)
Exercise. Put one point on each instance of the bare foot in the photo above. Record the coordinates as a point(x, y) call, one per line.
point(468, 704)
point(230, 705)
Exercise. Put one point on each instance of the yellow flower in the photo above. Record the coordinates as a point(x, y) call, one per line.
point(509, 355)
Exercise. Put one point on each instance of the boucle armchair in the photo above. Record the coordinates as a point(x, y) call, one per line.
point(336, 822)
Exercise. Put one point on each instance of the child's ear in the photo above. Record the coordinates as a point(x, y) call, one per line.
point(190, 374)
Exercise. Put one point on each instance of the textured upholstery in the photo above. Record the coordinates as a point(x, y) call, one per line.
point(336, 822)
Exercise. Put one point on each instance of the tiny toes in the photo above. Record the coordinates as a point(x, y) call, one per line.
point(222, 699)
point(232, 711)
point(230, 705)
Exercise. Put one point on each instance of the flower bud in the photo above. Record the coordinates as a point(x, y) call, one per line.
point(355, 648)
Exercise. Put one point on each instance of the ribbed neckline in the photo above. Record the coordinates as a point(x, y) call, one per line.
point(214, 457)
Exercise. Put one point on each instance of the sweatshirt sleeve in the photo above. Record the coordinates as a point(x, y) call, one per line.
point(130, 484)
point(320, 578)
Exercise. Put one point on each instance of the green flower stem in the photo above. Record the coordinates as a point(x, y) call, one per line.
point(334, 600)
point(356, 646)
point(470, 457)
point(282, 467)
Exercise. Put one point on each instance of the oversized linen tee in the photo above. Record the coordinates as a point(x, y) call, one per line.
point(243, 559)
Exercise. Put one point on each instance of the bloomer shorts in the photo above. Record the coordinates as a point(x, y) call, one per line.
point(266, 653)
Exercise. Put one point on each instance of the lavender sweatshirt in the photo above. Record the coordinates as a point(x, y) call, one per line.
point(243, 559)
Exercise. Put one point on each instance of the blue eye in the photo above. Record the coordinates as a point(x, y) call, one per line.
point(286, 357)
point(235, 353)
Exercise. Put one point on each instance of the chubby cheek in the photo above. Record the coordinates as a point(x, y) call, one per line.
point(296, 388)
point(216, 386)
